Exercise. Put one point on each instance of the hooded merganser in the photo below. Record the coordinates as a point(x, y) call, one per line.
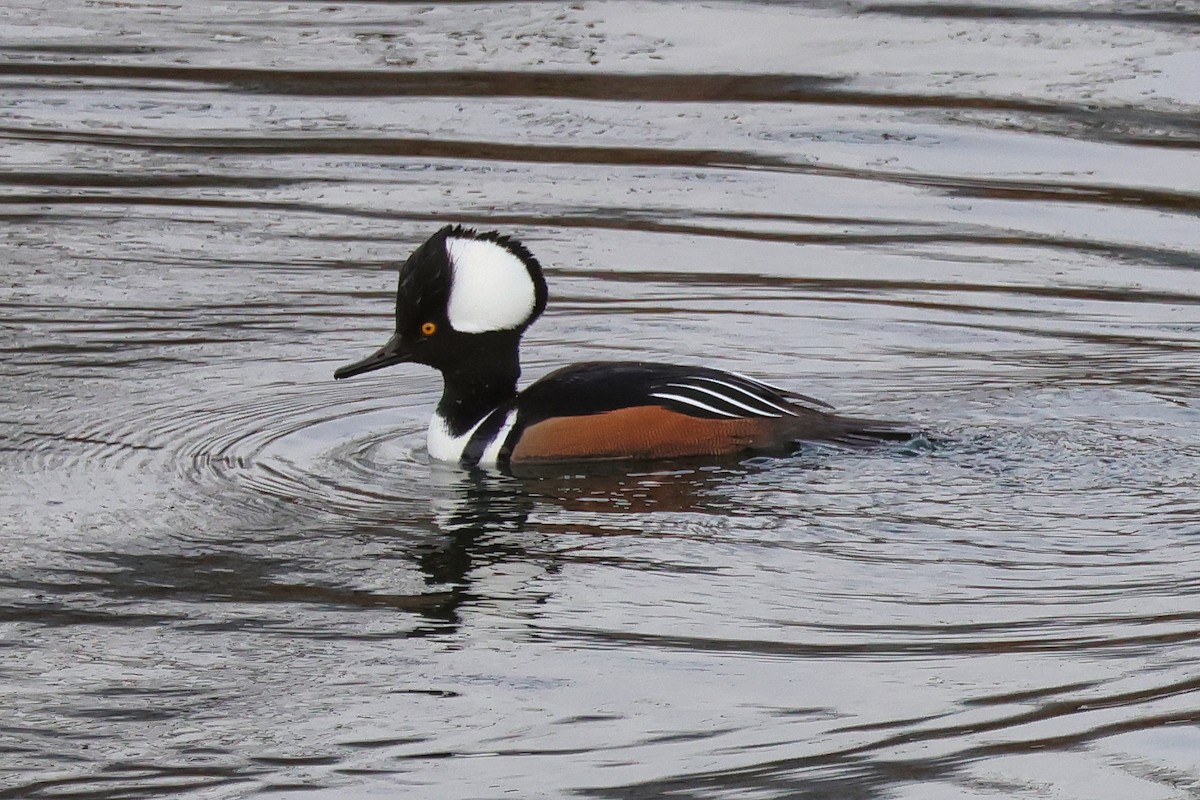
point(463, 301)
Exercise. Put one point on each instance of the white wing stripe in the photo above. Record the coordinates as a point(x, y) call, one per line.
point(810, 402)
point(696, 403)
point(758, 412)
point(756, 398)
point(754, 381)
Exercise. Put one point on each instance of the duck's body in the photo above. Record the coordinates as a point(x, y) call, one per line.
point(463, 301)
point(638, 411)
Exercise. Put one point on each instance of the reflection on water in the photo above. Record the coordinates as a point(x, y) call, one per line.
point(225, 575)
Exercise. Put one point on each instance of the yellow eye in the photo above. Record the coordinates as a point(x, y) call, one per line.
point(429, 329)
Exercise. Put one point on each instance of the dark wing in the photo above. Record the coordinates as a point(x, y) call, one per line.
point(729, 395)
point(597, 387)
point(636, 410)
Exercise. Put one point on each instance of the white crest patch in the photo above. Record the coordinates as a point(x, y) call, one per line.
point(490, 289)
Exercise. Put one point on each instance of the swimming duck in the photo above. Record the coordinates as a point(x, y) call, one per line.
point(463, 302)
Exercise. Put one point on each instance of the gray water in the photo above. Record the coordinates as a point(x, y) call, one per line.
point(223, 575)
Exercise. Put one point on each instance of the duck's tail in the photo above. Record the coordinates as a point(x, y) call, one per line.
point(863, 431)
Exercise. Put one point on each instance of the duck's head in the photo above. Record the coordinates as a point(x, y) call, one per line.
point(462, 295)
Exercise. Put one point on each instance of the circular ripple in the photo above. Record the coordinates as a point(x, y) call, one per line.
point(322, 445)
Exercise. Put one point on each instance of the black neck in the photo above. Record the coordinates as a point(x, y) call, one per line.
point(475, 386)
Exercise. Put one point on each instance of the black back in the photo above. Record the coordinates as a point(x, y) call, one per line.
point(598, 386)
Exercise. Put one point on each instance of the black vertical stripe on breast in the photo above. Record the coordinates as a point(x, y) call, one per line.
point(484, 434)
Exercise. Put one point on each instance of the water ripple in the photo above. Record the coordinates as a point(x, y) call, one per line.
point(224, 573)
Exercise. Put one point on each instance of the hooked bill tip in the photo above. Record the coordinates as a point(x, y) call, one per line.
point(385, 356)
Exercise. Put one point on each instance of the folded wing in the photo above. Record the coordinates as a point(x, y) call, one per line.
point(639, 411)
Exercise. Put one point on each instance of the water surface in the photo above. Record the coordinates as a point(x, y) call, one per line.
point(225, 575)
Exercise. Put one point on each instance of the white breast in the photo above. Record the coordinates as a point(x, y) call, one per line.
point(491, 453)
point(444, 446)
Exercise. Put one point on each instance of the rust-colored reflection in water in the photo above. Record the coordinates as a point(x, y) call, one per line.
point(225, 575)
